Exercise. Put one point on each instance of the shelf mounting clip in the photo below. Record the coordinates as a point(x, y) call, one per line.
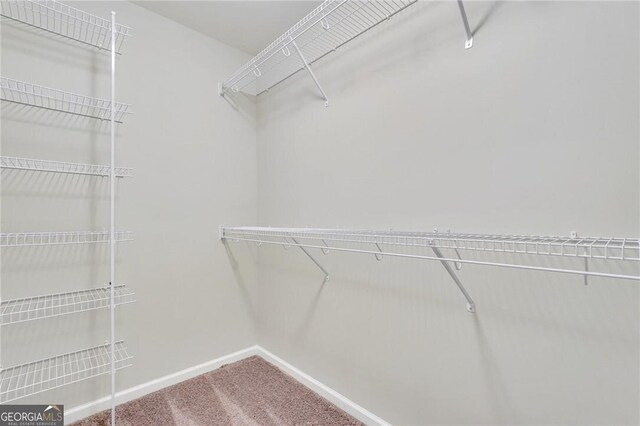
point(313, 76)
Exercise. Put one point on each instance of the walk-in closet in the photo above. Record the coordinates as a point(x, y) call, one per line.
point(304, 212)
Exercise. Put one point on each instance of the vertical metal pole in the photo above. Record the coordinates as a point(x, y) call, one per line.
point(469, 43)
point(112, 205)
point(313, 76)
point(1, 251)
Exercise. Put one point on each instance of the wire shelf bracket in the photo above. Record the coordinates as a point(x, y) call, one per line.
point(50, 373)
point(325, 29)
point(471, 306)
point(468, 44)
point(304, 250)
point(310, 71)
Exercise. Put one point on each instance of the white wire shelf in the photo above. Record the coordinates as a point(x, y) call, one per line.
point(66, 21)
point(17, 163)
point(53, 305)
point(57, 100)
point(60, 238)
point(388, 243)
point(50, 373)
point(322, 31)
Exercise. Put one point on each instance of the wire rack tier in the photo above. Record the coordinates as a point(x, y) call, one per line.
point(391, 242)
point(322, 31)
point(60, 238)
point(34, 95)
point(39, 376)
point(66, 21)
point(17, 163)
point(53, 305)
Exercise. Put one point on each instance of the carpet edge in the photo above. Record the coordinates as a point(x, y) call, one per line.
point(342, 402)
point(85, 410)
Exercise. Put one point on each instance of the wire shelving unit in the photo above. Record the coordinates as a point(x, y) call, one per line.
point(16, 163)
point(407, 245)
point(19, 239)
point(33, 95)
point(71, 23)
point(53, 305)
point(45, 374)
point(324, 30)
point(66, 21)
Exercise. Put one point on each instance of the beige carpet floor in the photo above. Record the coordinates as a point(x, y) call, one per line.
point(247, 392)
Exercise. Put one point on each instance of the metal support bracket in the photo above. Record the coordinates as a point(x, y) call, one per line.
point(326, 274)
point(471, 306)
point(313, 76)
point(574, 235)
point(469, 43)
point(586, 269)
point(378, 256)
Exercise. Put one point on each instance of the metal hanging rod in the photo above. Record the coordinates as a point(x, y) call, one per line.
point(50, 373)
point(17, 163)
point(57, 100)
point(325, 29)
point(53, 305)
point(390, 243)
point(61, 238)
point(66, 21)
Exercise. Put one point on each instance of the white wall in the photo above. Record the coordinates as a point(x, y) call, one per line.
point(534, 130)
point(194, 166)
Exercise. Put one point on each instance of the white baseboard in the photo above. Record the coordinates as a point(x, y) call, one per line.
point(321, 389)
point(82, 411)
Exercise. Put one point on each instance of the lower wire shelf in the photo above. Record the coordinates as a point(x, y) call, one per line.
point(53, 305)
point(50, 373)
point(430, 246)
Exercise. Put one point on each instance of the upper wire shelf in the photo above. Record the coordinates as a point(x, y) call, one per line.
point(17, 163)
point(50, 373)
point(60, 238)
point(66, 21)
point(53, 305)
point(57, 100)
point(322, 31)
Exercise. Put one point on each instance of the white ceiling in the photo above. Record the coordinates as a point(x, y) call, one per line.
point(246, 25)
